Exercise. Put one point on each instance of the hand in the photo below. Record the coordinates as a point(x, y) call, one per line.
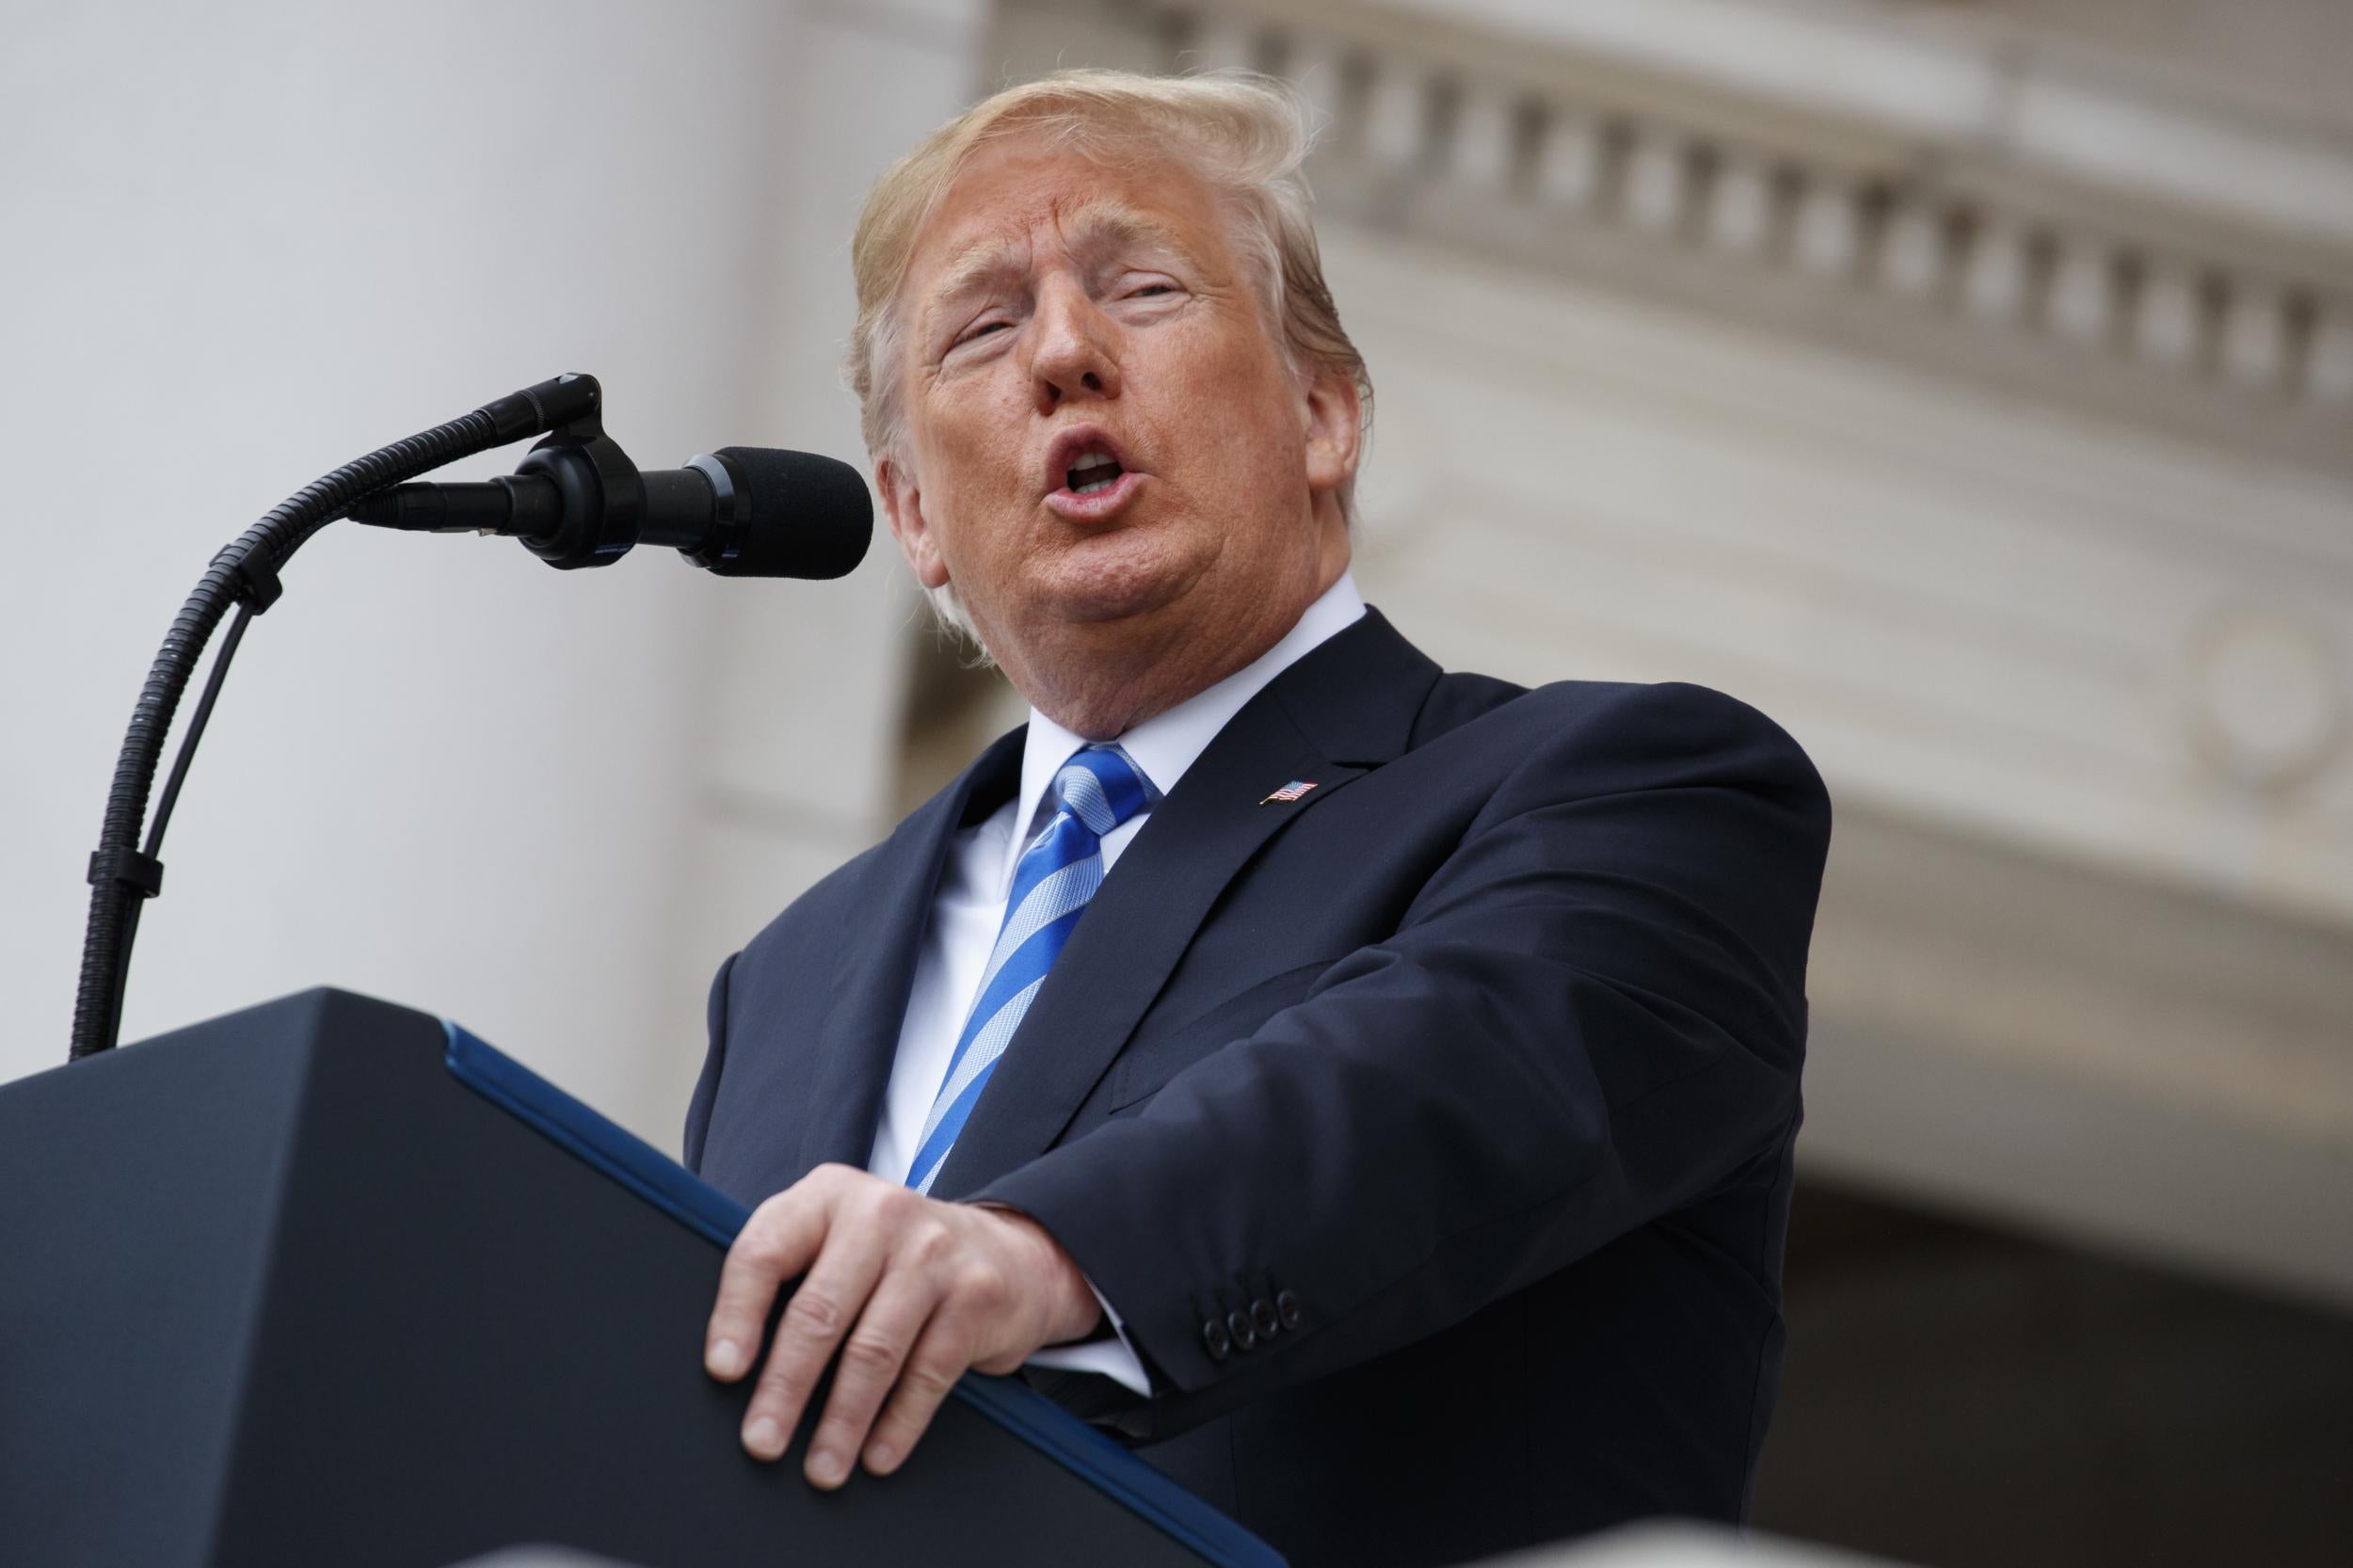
point(922, 1291)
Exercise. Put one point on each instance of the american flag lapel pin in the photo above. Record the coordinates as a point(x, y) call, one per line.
point(1291, 790)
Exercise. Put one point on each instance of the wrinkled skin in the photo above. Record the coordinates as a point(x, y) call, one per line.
point(1119, 303)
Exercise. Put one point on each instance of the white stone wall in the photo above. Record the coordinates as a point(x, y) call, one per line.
point(249, 242)
point(799, 769)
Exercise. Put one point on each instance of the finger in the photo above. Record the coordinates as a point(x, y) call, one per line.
point(822, 1309)
point(939, 1358)
point(871, 1359)
point(776, 1244)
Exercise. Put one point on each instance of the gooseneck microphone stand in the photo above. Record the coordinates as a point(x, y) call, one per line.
point(123, 873)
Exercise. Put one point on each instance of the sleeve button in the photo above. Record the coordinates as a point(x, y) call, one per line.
point(1287, 1307)
point(1214, 1340)
point(1268, 1320)
point(1238, 1324)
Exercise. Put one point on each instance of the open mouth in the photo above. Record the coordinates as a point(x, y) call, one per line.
point(1088, 477)
point(1095, 471)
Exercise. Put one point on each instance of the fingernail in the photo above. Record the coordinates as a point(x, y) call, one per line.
point(826, 1468)
point(764, 1438)
point(725, 1359)
point(880, 1457)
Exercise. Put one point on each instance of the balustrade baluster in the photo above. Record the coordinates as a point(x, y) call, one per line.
point(1912, 248)
point(1397, 118)
point(2254, 335)
point(1739, 204)
point(2166, 323)
point(1657, 181)
point(1482, 137)
point(1568, 161)
point(1994, 283)
point(1223, 42)
point(1318, 68)
point(2328, 365)
point(1828, 236)
point(2083, 290)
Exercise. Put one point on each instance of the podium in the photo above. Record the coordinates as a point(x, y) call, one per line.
point(330, 1281)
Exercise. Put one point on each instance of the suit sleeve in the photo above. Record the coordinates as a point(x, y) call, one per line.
point(707, 1083)
point(1590, 1016)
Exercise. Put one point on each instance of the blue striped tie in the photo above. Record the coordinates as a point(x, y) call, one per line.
point(1095, 791)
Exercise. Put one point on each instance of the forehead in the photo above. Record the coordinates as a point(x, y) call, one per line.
point(1017, 197)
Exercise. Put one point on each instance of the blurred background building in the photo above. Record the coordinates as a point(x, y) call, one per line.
point(1967, 383)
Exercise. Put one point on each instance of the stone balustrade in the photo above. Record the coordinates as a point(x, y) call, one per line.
point(1885, 241)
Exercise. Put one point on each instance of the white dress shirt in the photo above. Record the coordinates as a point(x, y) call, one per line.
point(978, 879)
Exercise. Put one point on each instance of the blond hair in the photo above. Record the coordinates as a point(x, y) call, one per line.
point(1243, 135)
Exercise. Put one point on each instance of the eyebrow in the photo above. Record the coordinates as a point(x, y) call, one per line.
point(1094, 230)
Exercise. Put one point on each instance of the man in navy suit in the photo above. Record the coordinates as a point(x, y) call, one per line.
point(1371, 1090)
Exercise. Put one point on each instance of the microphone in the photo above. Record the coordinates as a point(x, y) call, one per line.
point(742, 511)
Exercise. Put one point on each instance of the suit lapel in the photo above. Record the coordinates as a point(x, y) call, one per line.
point(1343, 709)
point(877, 966)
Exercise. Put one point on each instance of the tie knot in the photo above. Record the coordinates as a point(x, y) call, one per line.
point(1101, 788)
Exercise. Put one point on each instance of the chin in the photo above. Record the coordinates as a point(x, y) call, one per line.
point(1114, 584)
point(1116, 600)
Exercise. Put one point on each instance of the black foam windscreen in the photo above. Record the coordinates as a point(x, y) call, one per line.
point(802, 515)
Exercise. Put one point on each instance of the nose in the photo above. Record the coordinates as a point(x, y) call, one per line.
point(1075, 354)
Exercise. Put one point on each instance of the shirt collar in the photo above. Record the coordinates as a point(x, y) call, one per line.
point(1167, 744)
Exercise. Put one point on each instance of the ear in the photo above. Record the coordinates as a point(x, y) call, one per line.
point(903, 504)
point(1335, 430)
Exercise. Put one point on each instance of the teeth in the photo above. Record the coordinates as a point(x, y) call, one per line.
point(1093, 472)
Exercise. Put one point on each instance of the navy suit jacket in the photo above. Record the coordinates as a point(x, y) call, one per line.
point(1430, 1133)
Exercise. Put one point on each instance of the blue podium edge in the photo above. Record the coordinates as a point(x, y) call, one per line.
point(624, 1158)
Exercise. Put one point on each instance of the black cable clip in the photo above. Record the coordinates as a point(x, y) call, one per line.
point(142, 873)
point(256, 585)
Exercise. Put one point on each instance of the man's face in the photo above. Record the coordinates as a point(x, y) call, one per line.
point(1107, 451)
